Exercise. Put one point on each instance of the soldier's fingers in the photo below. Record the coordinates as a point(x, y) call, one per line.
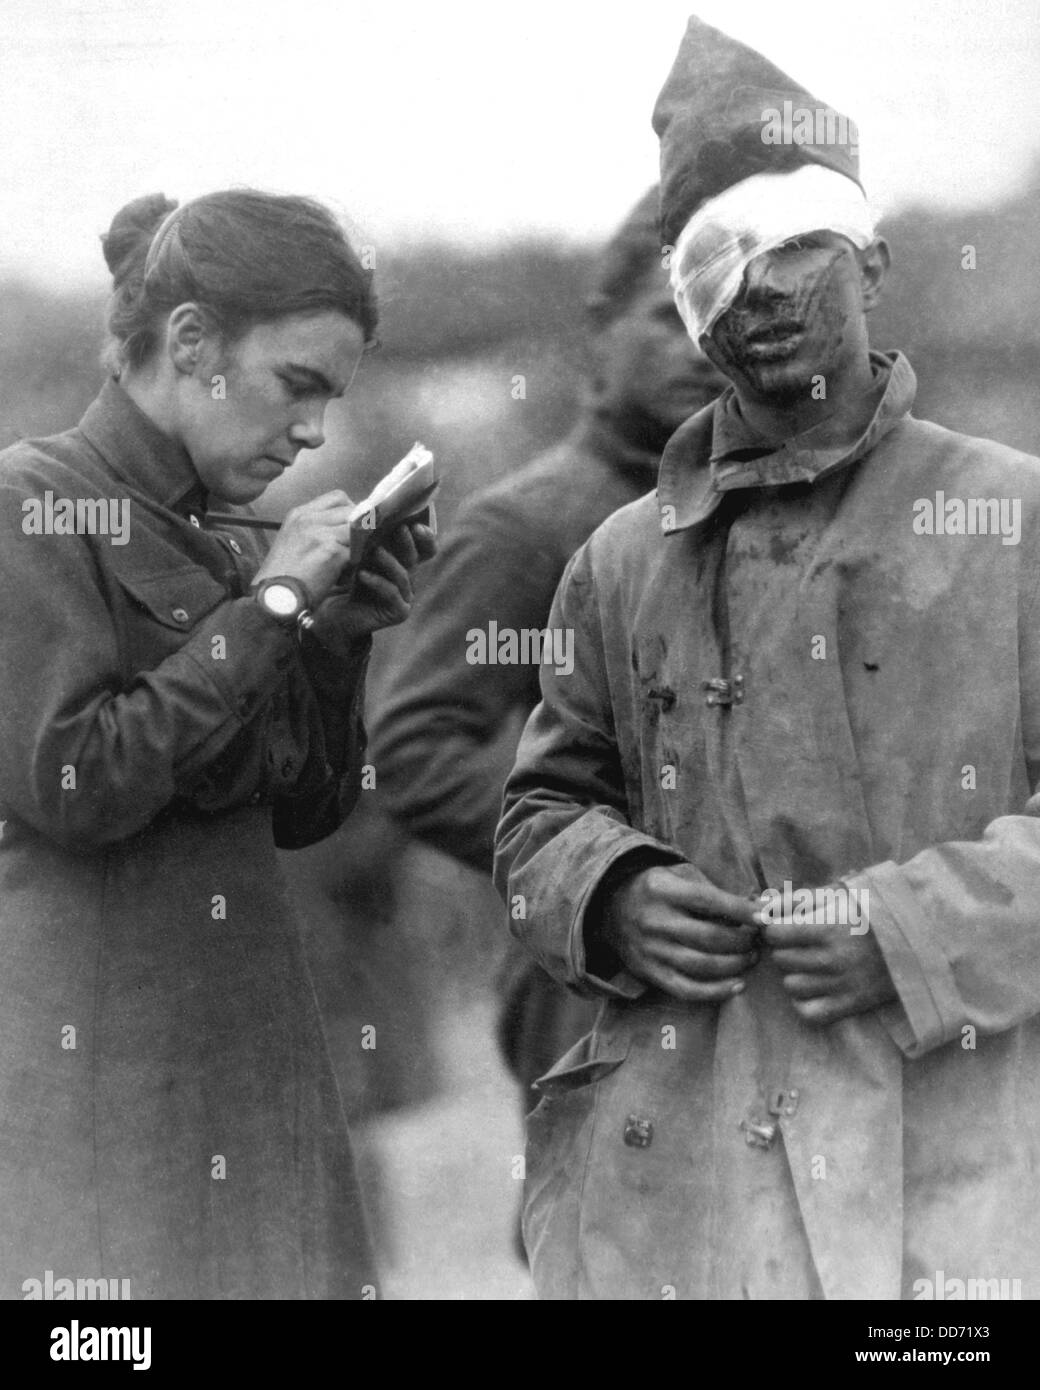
point(825, 1009)
point(684, 887)
point(696, 934)
point(696, 965)
point(800, 986)
point(808, 960)
point(696, 991)
point(783, 933)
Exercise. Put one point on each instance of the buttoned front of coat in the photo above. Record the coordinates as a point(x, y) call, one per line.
point(780, 679)
point(169, 1115)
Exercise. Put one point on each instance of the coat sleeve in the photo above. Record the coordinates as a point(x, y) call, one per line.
point(330, 784)
point(85, 759)
point(565, 821)
point(446, 735)
point(959, 923)
point(958, 927)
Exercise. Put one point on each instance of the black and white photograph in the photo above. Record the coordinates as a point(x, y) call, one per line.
point(520, 662)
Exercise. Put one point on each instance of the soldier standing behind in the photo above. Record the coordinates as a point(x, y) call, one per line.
point(445, 741)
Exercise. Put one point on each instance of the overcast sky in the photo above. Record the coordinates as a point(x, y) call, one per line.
point(468, 119)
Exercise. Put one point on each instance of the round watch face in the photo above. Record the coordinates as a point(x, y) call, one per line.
point(281, 600)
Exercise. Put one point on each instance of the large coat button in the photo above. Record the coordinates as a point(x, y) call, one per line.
point(639, 1132)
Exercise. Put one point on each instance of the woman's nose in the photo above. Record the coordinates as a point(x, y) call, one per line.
point(309, 432)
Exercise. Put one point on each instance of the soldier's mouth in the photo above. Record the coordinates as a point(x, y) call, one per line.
point(771, 342)
point(776, 331)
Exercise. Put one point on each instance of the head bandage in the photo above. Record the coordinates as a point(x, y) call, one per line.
point(758, 214)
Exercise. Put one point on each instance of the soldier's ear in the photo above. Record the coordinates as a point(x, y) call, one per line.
point(874, 262)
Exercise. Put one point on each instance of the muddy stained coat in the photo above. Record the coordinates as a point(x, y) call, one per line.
point(188, 1135)
point(901, 757)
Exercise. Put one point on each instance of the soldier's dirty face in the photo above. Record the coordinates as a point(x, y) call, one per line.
point(800, 315)
point(258, 401)
point(647, 363)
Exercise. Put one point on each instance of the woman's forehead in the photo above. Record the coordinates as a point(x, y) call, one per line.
point(322, 340)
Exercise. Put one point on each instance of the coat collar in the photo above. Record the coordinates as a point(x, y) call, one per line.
point(717, 451)
point(145, 458)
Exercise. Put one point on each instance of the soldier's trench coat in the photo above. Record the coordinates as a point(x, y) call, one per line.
point(168, 1113)
point(901, 758)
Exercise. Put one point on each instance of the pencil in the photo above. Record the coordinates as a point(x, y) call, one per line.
point(254, 523)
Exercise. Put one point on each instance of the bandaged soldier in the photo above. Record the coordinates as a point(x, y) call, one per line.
point(780, 819)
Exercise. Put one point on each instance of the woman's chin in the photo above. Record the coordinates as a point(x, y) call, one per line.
point(240, 491)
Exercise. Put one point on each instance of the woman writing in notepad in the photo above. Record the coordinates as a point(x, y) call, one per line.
point(171, 709)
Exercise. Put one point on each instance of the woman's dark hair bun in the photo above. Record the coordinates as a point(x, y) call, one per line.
point(241, 256)
point(126, 242)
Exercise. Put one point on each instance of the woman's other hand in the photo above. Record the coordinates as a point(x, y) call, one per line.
point(382, 592)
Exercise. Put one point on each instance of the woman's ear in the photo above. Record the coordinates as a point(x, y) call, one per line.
point(186, 334)
point(874, 262)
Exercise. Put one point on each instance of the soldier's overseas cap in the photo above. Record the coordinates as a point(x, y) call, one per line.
point(749, 160)
point(721, 117)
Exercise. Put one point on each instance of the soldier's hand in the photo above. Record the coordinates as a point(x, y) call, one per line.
point(830, 970)
point(676, 931)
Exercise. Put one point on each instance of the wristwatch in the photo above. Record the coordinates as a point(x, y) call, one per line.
point(285, 599)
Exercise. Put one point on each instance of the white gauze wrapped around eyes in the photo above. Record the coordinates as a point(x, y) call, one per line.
point(724, 236)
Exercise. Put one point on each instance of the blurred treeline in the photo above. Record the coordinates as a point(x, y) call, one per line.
point(459, 326)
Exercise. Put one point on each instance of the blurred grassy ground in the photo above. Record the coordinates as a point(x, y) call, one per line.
point(401, 937)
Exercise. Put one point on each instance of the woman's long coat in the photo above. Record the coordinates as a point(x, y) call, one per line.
point(168, 1113)
point(886, 732)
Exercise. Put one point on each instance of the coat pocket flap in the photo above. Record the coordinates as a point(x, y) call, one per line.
point(588, 1061)
point(177, 600)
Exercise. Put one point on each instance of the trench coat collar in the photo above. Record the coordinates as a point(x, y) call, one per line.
point(717, 451)
point(145, 458)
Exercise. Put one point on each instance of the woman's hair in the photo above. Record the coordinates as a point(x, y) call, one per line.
point(243, 256)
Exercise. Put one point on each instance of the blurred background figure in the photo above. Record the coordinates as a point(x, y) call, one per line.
point(444, 740)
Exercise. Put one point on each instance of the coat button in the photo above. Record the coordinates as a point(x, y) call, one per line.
point(724, 692)
point(194, 520)
point(784, 1102)
point(179, 615)
point(288, 767)
point(639, 1132)
point(759, 1136)
point(234, 545)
